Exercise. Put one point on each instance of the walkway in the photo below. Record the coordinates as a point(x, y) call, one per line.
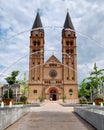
point(51, 116)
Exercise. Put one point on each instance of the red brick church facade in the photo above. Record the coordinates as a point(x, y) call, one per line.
point(53, 79)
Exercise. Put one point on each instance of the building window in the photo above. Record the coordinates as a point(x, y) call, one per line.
point(71, 51)
point(38, 43)
point(70, 92)
point(34, 50)
point(67, 43)
point(52, 64)
point(34, 43)
point(35, 91)
point(71, 43)
point(72, 78)
point(53, 73)
point(67, 51)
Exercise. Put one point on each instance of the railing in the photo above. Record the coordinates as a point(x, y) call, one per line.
point(9, 115)
point(93, 114)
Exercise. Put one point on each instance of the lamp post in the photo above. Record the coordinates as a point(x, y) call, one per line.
point(102, 86)
point(90, 93)
point(16, 94)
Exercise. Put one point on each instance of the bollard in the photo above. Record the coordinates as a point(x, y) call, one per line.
point(2, 104)
point(93, 103)
point(101, 104)
point(10, 104)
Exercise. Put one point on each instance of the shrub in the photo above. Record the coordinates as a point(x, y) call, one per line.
point(89, 102)
point(23, 98)
point(83, 102)
point(41, 98)
point(5, 96)
point(101, 102)
point(98, 96)
point(83, 99)
point(86, 102)
point(64, 97)
point(18, 103)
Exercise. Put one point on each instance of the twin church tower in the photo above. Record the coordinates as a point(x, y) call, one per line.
point(53, 79)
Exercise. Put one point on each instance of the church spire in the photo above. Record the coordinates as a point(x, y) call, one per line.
point(68, 22)
point(37, 22)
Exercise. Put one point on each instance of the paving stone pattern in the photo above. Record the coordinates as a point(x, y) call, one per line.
point(51, 116)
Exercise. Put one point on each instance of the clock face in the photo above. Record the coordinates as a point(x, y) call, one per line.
point(53, 73)
point(35, 33)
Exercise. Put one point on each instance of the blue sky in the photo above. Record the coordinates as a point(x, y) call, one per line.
point(17, 16)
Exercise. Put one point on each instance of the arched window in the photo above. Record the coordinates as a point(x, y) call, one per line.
point(34, 50)
point(67, 51)
point(34, 43)
point(71, 51)
point(71, 43)
point(67, 43)
point(38, 43)
point(70, 91)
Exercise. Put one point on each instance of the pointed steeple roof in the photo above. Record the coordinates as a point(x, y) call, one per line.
point(68, 22)
point(37, 21)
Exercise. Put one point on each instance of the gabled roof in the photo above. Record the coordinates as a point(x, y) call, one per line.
point(52, 59)
point(68, 22)
point(37, 22)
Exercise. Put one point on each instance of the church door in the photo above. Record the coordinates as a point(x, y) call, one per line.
point(53, 95)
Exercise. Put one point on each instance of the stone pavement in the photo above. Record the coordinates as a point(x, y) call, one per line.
point(51, 116)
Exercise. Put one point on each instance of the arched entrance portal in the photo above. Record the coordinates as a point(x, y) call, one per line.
point(53, 95)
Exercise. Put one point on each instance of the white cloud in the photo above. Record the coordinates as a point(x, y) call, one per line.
point(18, 15)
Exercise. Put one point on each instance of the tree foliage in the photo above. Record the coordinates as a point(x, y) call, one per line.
point(84, 89)
point(92, 84)
point(11, 80)
point(5, 96)
point(24, 83)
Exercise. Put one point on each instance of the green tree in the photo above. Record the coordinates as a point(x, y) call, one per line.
point(96, 79)
point(24, 83)
point(11, 80)
point(84, 90)
point(5, 96)
point(92, 84)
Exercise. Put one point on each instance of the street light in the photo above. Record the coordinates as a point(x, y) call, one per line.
point(102, 86)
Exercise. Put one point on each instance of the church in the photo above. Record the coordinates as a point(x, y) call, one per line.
point(53, 79)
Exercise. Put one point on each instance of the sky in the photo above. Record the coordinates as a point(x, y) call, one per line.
point(16, 20)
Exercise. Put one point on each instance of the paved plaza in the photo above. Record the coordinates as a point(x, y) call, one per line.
point(51, 116)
